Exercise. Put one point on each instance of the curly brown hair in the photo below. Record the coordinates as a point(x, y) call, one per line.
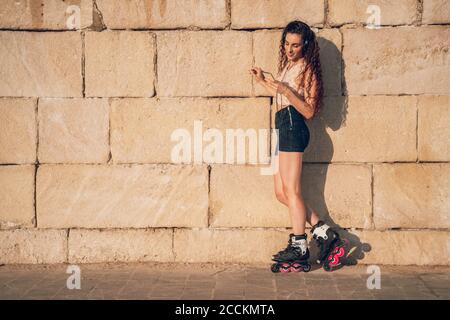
point(310, 52)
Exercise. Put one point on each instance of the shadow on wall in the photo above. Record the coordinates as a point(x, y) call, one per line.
point(321, 148)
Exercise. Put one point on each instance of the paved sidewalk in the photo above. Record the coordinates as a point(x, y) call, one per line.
point(208, 281)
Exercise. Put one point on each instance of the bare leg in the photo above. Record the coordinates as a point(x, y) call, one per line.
point(290, 165)
point(311, 216)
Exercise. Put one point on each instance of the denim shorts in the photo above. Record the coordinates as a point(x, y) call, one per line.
point(292, 133)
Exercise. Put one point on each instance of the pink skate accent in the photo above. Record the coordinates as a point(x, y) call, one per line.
point(285, 267)
point(334, 261)
point(335, 258)
point(340, 252)
point(296, 267)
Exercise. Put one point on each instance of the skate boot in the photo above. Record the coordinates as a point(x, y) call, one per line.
point(332, 247)
point(294, 258)
point(275, 256)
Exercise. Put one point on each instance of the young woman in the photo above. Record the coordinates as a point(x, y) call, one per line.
point(299, 93)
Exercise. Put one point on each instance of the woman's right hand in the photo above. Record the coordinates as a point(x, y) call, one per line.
point(257, 72)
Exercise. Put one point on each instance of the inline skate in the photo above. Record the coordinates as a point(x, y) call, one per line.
point(294, 258)
point(332, 247)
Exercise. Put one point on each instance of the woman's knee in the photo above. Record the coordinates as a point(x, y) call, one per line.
point(291, 191)
point(280, 195)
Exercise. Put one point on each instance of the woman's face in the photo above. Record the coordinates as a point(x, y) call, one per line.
point(292, 46)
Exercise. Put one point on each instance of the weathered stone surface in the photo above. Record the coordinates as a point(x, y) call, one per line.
point(204, 63)
point(266, 48)
point(364, 129)
point(120, 64)
point(436, 11)
point(142, 129)
point(91, 246)
point(122, 196)
point(73, 131)
point(33, 246)
point(275, 14)
point(433, 128)
point(209, 245)
point(18, 133)
point(241, 196)
point(105, 114)
point(412, 195)
point(40, 14)
point(45, 64)
point(340, 194)
point(171, 14)
point(245, 246)
point(17, 196)
point(364, 11)
point(238, 245)
point(405, 247)
point(402, 60)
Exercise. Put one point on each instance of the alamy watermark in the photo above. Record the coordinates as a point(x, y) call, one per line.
point(234, 144)
point(374, 280)
point(73, 22)
point(374, 19)
point(74, 280)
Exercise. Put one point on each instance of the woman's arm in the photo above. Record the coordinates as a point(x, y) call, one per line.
point(298, 101)
point(275, 86)
point(305, 105)
point(294, 98)
point(269, 84)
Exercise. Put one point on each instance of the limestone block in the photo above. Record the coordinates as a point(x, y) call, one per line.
point(17, 196)
point(274, 13)
point(46, 15)
point(364, 129)
point(436, 11)
point(402, 60)
point(367, 12)
point(121, 196)
point(405, 247)
point(433, 128)
point(170, 14)
point(241, 196)
point(94, 246)
point(33, 246)
point(73, 131)
point(190, 130)
point(412, 195)
point(120, 64)
point(204, 63)
point(44, 64)
point(18, 133)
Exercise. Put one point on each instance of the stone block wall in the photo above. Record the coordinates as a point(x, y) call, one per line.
point(94, 92)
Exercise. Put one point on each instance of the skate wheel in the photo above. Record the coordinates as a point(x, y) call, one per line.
point(338, 251)
point(326, 267)
point(275, 268)
point(307, 268)
point(296, 267)
point(285, 267)
point(334, 261)
point(341, 252)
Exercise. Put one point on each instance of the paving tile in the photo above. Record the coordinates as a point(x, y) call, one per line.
point(442, 293)
point(173, 282)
